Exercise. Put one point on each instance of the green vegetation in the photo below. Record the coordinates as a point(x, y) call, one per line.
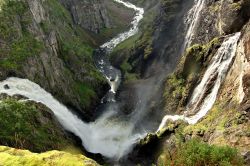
point(232, 125)
point(20, 50)
point(197, 153)
point(86, 92)
point(20, 45)
point(10, 157)
point(192, 65)
point(170, 7)
point(136, 49)
point(29, 126)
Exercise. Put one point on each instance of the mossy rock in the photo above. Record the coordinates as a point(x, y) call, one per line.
point(29, 125)
point(180, 84)
point(17, 157)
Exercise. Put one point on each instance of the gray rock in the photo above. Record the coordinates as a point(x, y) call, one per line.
point(89, 14)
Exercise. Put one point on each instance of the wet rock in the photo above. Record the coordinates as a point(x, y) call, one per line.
point(20, 97)
point(6, 86)
point(94, 17)
point(246, 157)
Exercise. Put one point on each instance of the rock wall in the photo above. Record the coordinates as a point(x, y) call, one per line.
point(46, 47)
point(89, 14)
point(227, 123)
point(220, 18)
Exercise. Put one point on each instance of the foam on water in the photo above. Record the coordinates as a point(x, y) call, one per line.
point(106, 135)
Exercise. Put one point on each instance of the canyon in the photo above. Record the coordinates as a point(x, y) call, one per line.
point(127, 82)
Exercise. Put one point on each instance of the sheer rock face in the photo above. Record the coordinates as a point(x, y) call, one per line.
point(58, 65)
point(37, 10)
point(221, 17)
point(89, 14)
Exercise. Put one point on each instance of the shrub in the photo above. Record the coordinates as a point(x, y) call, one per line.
point(29, 126)
point(198, 153)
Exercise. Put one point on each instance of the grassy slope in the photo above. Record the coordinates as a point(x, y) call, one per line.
point(10, 157)
point(30, 126)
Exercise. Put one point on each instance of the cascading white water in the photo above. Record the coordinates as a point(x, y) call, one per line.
point(108, 135)
point(218, 68)
point(113, 75)
point(133, 30)
point(192, 20)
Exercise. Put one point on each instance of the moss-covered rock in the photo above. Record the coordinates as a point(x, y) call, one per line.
point(40, 41)
point(29, 125)
point(17, 157)
point(182, 81)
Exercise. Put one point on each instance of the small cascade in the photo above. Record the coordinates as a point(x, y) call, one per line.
point(201, 102)
point(192, 20)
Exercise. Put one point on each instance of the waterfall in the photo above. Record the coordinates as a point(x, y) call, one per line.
point(201, 102)
point(192, 20)
point(109, 135)
point(105, 135)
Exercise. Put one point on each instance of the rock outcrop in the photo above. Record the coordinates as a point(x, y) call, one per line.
point(30, 125)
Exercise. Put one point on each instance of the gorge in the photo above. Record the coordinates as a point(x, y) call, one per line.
point(143, 106)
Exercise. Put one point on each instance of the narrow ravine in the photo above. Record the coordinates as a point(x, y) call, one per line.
point(109, 135)
point(201, 103)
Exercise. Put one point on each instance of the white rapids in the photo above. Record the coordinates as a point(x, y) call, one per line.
point(107, 135)
point(133, 30)
point(218, 68)
point(112, 74)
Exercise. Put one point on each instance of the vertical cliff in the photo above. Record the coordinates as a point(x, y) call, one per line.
point(227, 123)
point(94, 17)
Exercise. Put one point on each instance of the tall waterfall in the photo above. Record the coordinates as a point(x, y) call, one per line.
point(192, 20)
point(108, 135)
point(104, 136)
point(200, 102)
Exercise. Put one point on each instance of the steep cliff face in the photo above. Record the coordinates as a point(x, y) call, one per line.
point(51, 43)
point(44, 45)
point(227, 123)
point(94, 17)
point(220, 18)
